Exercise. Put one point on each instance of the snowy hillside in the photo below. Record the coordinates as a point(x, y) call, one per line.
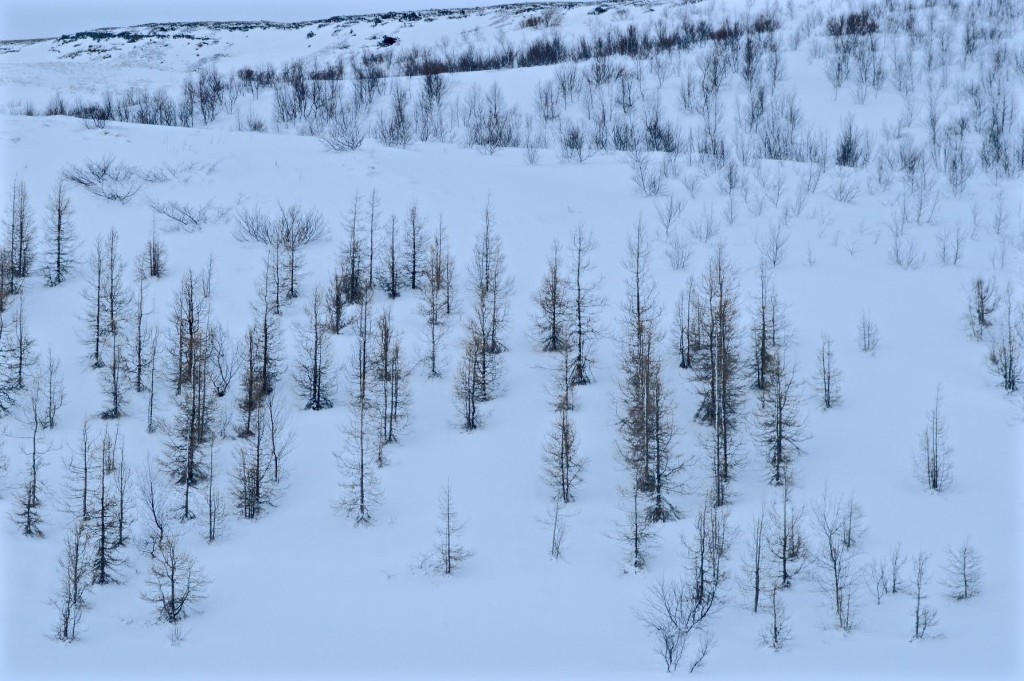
point(281, 305)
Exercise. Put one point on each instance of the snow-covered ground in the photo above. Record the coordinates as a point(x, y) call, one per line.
point(301, 592)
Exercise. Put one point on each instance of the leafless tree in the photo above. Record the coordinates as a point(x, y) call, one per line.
point(777, 633)
point(156, 510)
point(215, 514)
point(563, 464)
point(717, 367)
point(26, 513)
point(467, 386)
point(390, 277)
point(867, 334)
point(175, 583)
point(645, 410)
point(295, 229)
point(755, 561)
point(982, 302)
point(73, 571)
point(432, 299)
point(153, 259)
point(828, 376)
point(635, 532)
point(61, 236)
point(963, 571)
point(254, 487)
point(352, 276)
point(779, 423)
point(21, 234)
point(674, 611)
point(932, 462)
point(1006, 345)
point(448, 554)
point(314, 372)
point(413, 245)
point(835, 557)
point(390, 375)
point(925, 616)
point(552, 320)
point(585, 304)
point(786, 544)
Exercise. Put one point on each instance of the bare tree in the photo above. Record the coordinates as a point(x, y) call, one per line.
point(835, 558)
point(224, 361)
point(53, 385)
point(142, 335)
point(153, 259)
point(372, 220)
point(314, 372)
point(390, 375)
point(21, 234)
point(61, 236)
point(191, 425)
point(1005, 349)
point(73, 570)
point(254, 484)
point(115, 380)
point(214, 502)
point(779, 424)
point(448, 554)
point(432, 299)
point(552, 320)
point(963, 571)
point(107, 510)
point(706, 551)
point(353, 277)
point(688, 322)
point(645, 411)
point(768, 332)
point(786, 544)
point(413, 244)
point(95, 331)
point(26, 513)
point(117, 298)
point(867, 334)
point(155, 507)
point(16, 348)
point(390, 277)
point(563, 464)
point(361, 493)
point(79, 466)
point(982, 302)
point(492, 284)
point(467, 383)
point(635, 532)
point(925, 616)
point(293, 230)
point(673, 612)
point(777, 633)
point(828, 375)
point(932, 462)
point(175, 583)
point(585, 304)
point(755, 561)
point(717, 366)
point(260, 357)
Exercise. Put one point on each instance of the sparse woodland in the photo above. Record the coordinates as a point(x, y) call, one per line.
point(706, 320)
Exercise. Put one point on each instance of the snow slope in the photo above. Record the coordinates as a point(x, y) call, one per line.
point(301, 593)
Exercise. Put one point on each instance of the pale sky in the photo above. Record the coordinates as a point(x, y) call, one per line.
point(49, 18)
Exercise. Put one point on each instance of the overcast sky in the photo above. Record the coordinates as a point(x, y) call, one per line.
point(49, 18)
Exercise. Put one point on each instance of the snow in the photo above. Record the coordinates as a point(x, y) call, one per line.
point(302, 593)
